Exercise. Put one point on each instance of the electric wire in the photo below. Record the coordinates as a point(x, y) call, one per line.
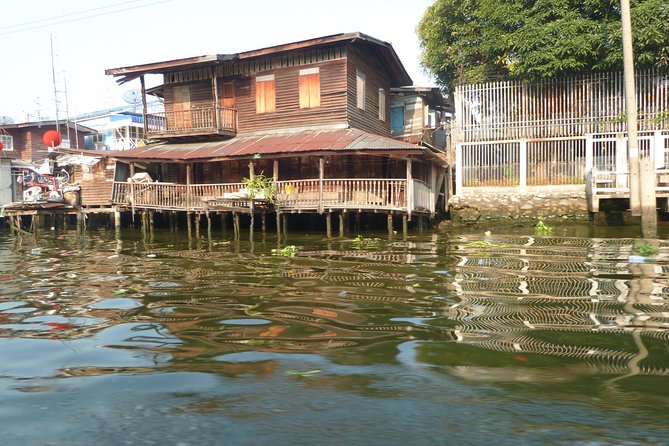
point(53, 21)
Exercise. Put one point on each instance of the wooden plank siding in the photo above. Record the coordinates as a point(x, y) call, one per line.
point(332, 109)
point(96, 187)
point(375, 77)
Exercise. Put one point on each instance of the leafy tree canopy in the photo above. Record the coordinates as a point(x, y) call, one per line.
point(466, 41)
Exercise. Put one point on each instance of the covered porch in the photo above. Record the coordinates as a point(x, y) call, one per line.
point(310, 172)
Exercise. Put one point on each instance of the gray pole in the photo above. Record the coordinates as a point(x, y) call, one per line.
point(642, 172)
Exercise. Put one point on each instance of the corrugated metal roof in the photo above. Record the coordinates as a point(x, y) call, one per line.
point(269, 144)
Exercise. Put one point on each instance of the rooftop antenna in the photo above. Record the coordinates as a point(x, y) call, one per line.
point(67, 112)
point(55, 91)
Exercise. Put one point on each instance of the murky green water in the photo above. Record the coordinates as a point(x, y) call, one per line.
point(444, 338)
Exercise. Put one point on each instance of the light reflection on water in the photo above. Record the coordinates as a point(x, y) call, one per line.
point(444, 338)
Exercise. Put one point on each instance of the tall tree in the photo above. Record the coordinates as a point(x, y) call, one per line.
point(467, 41)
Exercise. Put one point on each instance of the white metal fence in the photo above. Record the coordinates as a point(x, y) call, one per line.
point(573, 106)
point(552, 161)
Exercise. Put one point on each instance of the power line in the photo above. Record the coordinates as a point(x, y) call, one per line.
point(54, 20)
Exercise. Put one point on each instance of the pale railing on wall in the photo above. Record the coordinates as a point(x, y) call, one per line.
point(552, 161)
point(571, 106)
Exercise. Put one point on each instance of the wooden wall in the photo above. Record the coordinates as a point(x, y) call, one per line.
point(337, 70)
point(96, 187)
point(28, 141)
point(367, 119)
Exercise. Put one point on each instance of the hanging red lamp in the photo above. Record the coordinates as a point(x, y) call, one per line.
point(52, 138)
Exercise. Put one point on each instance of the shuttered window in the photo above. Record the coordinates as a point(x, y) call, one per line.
point(382, 104)
point(360, 89)
point(310, 88)
point(265, 94)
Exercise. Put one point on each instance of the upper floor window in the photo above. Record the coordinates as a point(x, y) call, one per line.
point(265, 94)
point(310, 88)
point(7, 142)
point(382, 104)
point(360, 89)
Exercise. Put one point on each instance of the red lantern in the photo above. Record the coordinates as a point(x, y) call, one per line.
point(52, 138)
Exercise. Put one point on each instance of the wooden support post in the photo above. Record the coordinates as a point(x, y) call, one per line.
point(341, 223)
point(410, 198)
point(144, 223)
point(189, 224)
point(208, 227)
point(321, 167)
point(197, 225)
point(405, 225)
point(328, 224)
point(390, 225)
point(235, 217)
point(285, 225)
point(144, 117)
point(278, 225)
point(253, 222)
point(151, 224)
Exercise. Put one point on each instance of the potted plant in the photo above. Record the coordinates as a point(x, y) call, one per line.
point(260, 187)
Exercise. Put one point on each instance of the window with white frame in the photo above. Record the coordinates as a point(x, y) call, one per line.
point(7, 142)
point(360, 80)
point(382, 104)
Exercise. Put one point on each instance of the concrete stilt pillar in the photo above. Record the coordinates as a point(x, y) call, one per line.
point(117, 220)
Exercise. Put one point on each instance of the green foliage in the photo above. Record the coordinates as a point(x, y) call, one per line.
point(260, 186)
point(646, 250)
point(360, 242)
point(469, 41)
point(286, 251)
point(542, 229)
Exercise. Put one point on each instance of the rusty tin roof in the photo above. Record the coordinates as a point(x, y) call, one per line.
point(340, 140)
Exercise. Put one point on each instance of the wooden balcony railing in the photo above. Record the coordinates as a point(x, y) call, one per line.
point(293, 195)
point(199, 121)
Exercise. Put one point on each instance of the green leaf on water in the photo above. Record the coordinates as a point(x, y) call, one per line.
point(303, 374)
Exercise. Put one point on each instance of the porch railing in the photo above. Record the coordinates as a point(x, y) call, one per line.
point(307, 195)
point(386, 194)
point(195, 120)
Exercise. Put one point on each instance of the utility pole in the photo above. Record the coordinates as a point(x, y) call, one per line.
point(642, 170)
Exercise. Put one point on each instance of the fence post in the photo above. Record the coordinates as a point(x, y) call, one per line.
point(621, 162)
point(589, 153)
point(458, 169)
point(523, 165)
point(658, 148)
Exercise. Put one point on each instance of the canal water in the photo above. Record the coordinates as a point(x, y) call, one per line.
point(446, 337)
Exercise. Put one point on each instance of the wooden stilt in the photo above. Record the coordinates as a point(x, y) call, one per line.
point(235, 217)
point(328, 225)
point(390, 225)
point(189, 224)
point(285, 225)
point(251, 226)
point(278, 225)
point(208, 227)
point(405, 226)
point(342, 217)
point(197, 225)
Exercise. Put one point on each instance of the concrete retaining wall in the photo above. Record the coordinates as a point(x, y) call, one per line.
point(490, 206)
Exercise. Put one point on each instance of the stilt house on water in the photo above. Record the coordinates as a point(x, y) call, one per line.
point(297, 128)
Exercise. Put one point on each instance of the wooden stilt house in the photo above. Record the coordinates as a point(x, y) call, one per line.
point(313, 117)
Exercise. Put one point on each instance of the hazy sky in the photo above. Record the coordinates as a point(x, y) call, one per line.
point(93, 35)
